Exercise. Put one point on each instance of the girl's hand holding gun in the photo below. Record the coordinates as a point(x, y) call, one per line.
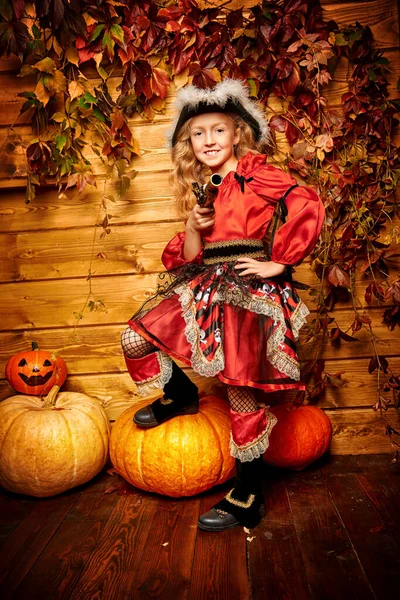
point(201, 216)
point(200, 219)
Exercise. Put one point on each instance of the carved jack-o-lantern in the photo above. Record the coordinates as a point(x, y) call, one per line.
point(36, 371)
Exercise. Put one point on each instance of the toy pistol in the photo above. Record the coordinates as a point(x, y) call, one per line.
point(206, 194)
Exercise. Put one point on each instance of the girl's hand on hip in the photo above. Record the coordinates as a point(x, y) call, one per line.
point(200, 219)
point(261, 269)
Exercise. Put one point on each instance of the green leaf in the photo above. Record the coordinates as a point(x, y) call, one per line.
point(97, 31)
point(253, 88)
point(30, 191)
point(108, 44)
point(123, 185)
point(382, 61)
point(395, 102)
point(36, 32)
point(340, 40)
point(30, 95)
point(35, 48)
point(27, 105)
point(61, 140)
point(372, 75)
point(89, 98)
point(98, 114)
point(118, 33)
point(102, 72)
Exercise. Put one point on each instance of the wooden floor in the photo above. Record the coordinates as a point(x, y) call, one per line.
point(331, 531)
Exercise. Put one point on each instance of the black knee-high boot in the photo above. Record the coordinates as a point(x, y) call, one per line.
point(181, 397)
point(243, 505)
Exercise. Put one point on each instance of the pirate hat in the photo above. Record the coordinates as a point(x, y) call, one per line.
point(230, 95)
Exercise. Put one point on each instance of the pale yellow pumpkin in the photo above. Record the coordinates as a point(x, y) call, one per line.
point(181, 457)
point(49, 446)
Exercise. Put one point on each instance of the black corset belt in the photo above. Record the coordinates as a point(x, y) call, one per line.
point(230, 250)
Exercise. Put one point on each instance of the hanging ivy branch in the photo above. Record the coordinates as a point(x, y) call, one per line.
point(75, 49)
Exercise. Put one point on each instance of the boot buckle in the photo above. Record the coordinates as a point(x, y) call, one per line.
point(166, 400)
point(240, 503)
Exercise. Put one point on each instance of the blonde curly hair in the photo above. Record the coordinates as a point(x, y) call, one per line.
point(186, 168)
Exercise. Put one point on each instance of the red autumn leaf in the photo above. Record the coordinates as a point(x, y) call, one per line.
point(318, 389)
point(125, 55)
point(368, 294)
point(338, 277)
point(356, 326)
point(19, 7)
point(117, 120)
point(202, 78)
point(295, 46)
point(142, 22)
point(335, 333)
point(348, 233)
point(393, 291)
point(234, 19)
point(141, 76)
point(160, 82)
point(278, 123)
point(364, 319)
point(374, 289)
point(284, 68)
point(290, 84)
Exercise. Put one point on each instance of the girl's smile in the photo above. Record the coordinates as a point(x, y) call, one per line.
point(213, 137)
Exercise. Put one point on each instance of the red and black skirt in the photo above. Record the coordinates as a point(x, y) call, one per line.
point(241, 329)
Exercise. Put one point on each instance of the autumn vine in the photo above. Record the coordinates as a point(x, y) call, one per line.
point(282, 49)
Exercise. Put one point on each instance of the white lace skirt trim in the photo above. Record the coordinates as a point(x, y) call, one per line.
point(263, 306)
point(258, 446)
point(192, 333)
point(147, 386)
point(274, 353)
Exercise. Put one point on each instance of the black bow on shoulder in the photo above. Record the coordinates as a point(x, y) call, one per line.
point(241, 179)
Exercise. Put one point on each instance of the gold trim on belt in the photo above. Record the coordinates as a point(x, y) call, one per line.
point(230, 250)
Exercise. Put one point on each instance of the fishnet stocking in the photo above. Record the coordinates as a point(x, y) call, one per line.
point(134, 346)
point(242, 399)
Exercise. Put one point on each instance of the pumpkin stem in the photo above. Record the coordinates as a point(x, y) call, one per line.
point(50, 399)
point(35, 346)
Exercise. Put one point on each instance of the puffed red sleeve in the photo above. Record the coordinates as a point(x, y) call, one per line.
point(172, 257)
point(296, 238)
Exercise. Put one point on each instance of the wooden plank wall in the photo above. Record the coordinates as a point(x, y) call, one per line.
point(46, 249)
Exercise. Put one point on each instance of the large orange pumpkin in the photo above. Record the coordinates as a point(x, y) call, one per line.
point(301, 436)
point(47, 447)
point(181, 457)
point(35, 371)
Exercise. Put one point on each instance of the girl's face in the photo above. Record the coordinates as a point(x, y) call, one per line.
point(212, 136)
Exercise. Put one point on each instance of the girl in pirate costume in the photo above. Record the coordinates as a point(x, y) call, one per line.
point(230, 310)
